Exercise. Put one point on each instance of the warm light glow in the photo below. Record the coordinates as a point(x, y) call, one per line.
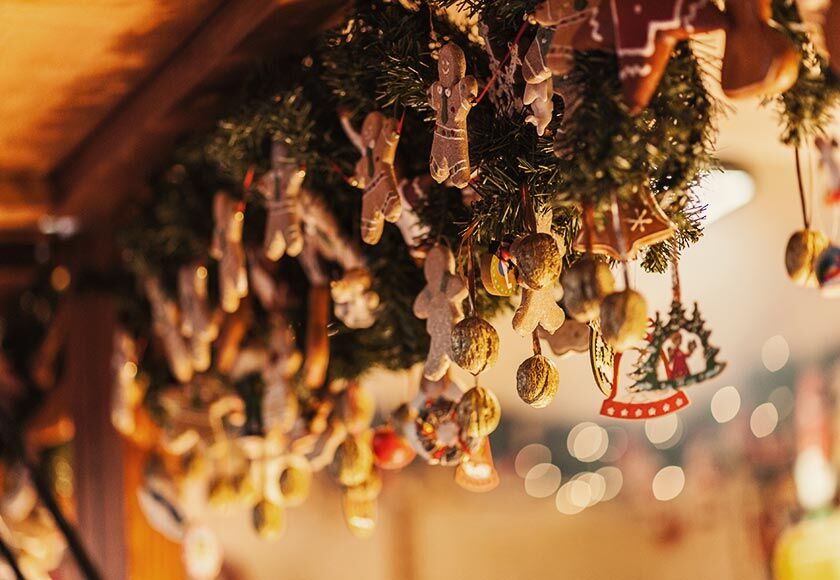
point(613, 481)
point(477, 472)
point(529, 456)
point(775, 353)
point(660, 430)
point(201, 273)
point(725, 404)
point(668, 483)
point(60, 278)
point(588, 442)
point(580, 494)
point(723, 192)
point(597, 486)
point(542, 480)
point(816, 480)
point(764, 420)
point(202, 553)
point(563, 502)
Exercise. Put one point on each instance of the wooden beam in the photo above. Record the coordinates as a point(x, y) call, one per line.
point(24, 200)
point(90, 179)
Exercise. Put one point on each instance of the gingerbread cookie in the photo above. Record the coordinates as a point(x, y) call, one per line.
point(354, 303)
point(539, 307)
point(440, 304)
point(452, 98)
point(414, 232)
point(375, 173)
point(280, 187)
point(557, 44)
point(758, 59)
point(540, 97)
point(227, 248)
point(573, 336)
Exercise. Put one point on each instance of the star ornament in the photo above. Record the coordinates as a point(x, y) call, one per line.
point(643, 34)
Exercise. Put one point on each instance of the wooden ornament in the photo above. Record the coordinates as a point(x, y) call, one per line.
point(537, 381)
point(573, 336)
point(196, 323)
point(317, 356)
point(413, 230)
point(452, 98)
point(354, 303)
point(831, 27)
point(624, 319)
point(479, 412)
point(540, 97)
point(556, 44)
point(758, 59)
point(497, 275)
point(280, 186)
point(585, 285)
point(475, 344)
point(801, 253)
point(642, 223)
point(432, 426)
point(227, 249)
point(440, 304)
point(375, 172)
point(165, 319)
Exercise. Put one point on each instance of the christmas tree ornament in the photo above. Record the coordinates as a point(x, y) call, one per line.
point(585, 285)
point(801, 254)
point(391, 450)
point(828, 271)
point(664, 349)
point(623, 319)
point(229, 217)
point(355, 408)
point(227, 347)
point(202, 553)
point(539, 84)
point(643, 35)
point(272, 295)
point(434, 430)
point(280, 187)
point(828, 148)
point(360, 516)
point(368, 490)
point(375, 172)
point(641, 221)
point(317, 357)
point(498, 274)
point(537, 259)
point(295, 481)
point(353, 460)
point(831, 28)
point(474, 344)
point(479, 412)
point(537, 379)
point(354, 303)
point(452, 98)
point(758, 58)
point(165, 319)
point(476, 472)
point(268, 519)
point(196, 323)
point(440, 304)
point(623, 401)
point(573, 336)
point(539, 308)
point(412, 195)
point(552, 49)
point(501, 91)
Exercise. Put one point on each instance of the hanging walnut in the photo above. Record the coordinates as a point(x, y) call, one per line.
point(295, 483)
point(475, 344)
point(585, 285)
point(800, 255)
point(267, 518)
point(624, 319)
point(538, 260)
point(478, 412)
point(353, 461)
point(368, 490)
point(221, 493)
point(537, 381)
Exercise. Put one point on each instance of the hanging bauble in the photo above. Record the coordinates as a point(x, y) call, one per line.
point(585, 285)
point(353, 461)
point(360, 516)
point(475, 344)
point(221, 493)
point(538, 259)
point(268, 519)
point(828, 271)
point(477, 473)
point(356, 407)
point(800, 255)
point(295, 481)
point(537, 381)
point(497, 272)
point(624, 319)
point(434, 430)
point(368, 490)
point(390, 449)
point(479, 412)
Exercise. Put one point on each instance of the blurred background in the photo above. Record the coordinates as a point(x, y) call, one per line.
point(94, 99)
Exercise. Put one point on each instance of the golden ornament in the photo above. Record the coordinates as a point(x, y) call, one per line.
point(537, 381)
point(496, 276)
point(538, 259)
point(295, 482)
point(360, 516)
point(221, 493)
point(585, 285)
point(368, 490)
point(475, 344)
point(267, 518)
point(479, 412)
point(624, 319)
point(353, 461)
point(800, 256)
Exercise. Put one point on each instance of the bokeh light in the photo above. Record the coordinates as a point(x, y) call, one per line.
point(782, 398)
point(764, 419)
point(529, 456)
point(588, 442)
point(613, 480)
point(668, 483)
point(775, 353)
point(725, 404)
point(661, 430)
point(542, 480)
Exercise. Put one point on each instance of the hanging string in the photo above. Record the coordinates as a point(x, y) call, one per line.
point(619, 236)
point(805, 217)
point(675, 276)
point(535, 342)
point(493, 78)
point(528, 213)
point(467, 245)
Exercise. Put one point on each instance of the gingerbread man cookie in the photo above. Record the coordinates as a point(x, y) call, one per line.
point(553, 48)
point(440, 304)
point(280, 187)
point(227, 248)
point(452, 99)
point(354, 303)
point(573, 336)
point(375, 173)
point(539, 307)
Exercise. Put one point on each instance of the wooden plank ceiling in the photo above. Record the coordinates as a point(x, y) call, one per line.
point(96, 92)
